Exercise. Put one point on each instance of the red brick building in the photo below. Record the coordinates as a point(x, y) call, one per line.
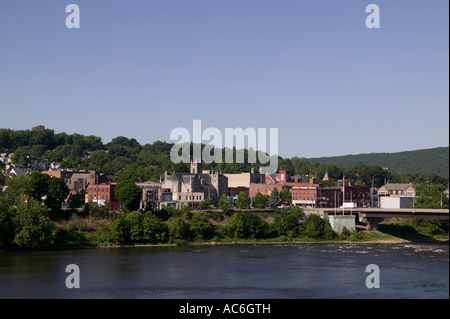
point(303, 188)
point(329, 197)
point(102, 193)
point(265, 189)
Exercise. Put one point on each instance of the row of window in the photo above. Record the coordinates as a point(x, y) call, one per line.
point(105, 197)
point(303, 192)
point(303, 198)
point(191, 197)
point(100, 190)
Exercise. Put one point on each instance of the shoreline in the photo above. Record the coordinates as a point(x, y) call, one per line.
point(381, 241)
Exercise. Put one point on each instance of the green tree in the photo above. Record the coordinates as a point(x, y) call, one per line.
point(21, 155)
point(224, 203)
point(297, 210)
point(287, 223)
point(76, 201)
point(96, 211)
point(98, 158)
point(430, 196)
point(200, 227)
point(285, 197)
point(6, 221)
point(317, 228)
point(246, 225)
point(17, 187)
point(243, 202)
point(2, 177)
point(135, 228)
point(129, 194)
point(50, 190)
point(154, 230)
point(33, 226)
point(274, 200)
point(205, 204)
point(57, 192)
point(38, 150)
point(120, 230)
point(261, 201)
point(38, 184)
point(178, 229)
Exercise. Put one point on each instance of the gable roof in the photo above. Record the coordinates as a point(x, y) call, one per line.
point(398, 187)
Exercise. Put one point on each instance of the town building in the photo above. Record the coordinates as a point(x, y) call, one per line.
point(304, 194)
point(78, 181)
point(388, 189)
point(151, 194)
point(265, 189)
point(241, 183)
point(335, 197)
point(303, 188)
point(396, 202)
point(102, 193)
point(189, 189)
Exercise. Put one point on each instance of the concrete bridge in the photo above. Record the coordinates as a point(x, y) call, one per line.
point(373, 216)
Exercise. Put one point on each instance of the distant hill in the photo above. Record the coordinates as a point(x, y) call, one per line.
point(429, 161)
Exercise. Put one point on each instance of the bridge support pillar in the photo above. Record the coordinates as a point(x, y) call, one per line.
point(372, 222)
point(338, 222)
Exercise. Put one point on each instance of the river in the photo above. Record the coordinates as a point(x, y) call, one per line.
point(269, 271)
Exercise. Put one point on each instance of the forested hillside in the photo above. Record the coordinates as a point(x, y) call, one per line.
point(126, 159)
point(428, 161)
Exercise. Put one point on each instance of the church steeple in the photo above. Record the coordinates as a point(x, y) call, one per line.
point(196, 167)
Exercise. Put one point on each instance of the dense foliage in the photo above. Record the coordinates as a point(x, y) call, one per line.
point(32, 209)
point(129, 160)
point(433, 161)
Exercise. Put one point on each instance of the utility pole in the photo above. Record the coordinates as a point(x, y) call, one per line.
point(334, 202)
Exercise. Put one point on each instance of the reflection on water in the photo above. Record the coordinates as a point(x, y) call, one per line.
point(231, 271)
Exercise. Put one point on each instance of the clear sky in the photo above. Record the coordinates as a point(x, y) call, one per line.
point(311, 68)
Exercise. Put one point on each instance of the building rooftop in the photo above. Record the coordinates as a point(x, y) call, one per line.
point(398, 187)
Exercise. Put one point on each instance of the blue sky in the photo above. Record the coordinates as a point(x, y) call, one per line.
point(309, 68)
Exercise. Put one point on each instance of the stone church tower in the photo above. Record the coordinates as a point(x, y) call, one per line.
point(196, 167)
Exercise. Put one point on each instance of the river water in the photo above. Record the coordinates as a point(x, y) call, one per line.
point(273, 271)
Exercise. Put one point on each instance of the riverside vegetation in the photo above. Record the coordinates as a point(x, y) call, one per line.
point(29, 225)
point(31, 215)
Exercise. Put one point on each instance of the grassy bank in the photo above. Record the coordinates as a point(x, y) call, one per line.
point(78, 234)
point(178, 227)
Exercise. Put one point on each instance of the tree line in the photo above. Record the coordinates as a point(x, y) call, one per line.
point(127, 159)
point(32, 210)
point(433, 161)
point(28, 225)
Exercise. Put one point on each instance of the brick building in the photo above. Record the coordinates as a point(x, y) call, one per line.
point(78, 181)
point(265, 189)
point(102, 193)
point(330, 197)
